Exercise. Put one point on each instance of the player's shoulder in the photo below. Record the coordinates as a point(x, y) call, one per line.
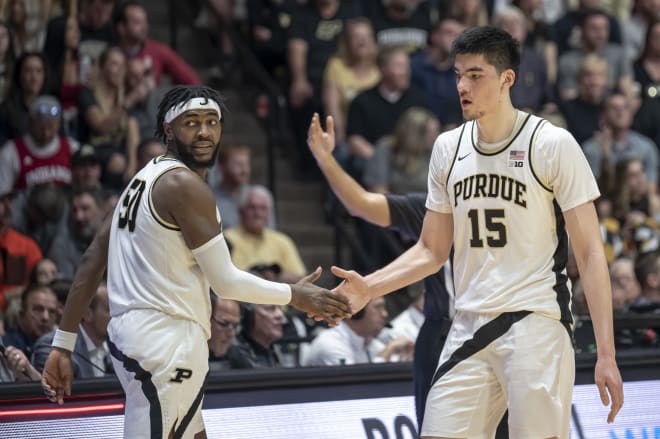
point(552, 137)
point(180, 185)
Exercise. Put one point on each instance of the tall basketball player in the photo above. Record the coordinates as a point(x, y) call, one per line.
point(163, 247)
point(505, 188)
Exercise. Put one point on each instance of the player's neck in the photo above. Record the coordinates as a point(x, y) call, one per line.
point(497, 126)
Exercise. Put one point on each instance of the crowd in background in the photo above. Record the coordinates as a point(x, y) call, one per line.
point(80, 83)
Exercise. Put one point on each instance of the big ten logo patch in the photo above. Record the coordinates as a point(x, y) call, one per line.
point(516, 159)
point(181, 374)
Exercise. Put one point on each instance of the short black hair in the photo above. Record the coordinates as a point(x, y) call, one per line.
point(499, 48)
point(646, 264)
point(183, 93)
point(119, 15)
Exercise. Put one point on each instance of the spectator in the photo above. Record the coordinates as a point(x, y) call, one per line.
point(142, 96)
point(28, 35)
point(132, 29)
point(36, 317)
point(354, 340)
point(15, 366)
point(635, 30)
point(269, 22)
point(74, 72)
point(225, 322)
point(42, 155)
point(96, 31)
point(86, 169)
point(235, 169)
point(105, 122)
point(408, 323)
point(616, 141)
point(622, 273)
point(313, 38)
point(253, 243)
point(390, 98)
point(566, 31)
point(261, 328)
point(7, 59)
point(91, 356)
point(595, 31)
point(28, 81)
point(402, 23)
point(647, 272)
point(351, 70)
point(401, 161)
point(532, 90)
point(44, 272)
point(18, 256)
point(40, 213)
point(85, 217)
point(469, 12)
point(432, 71)
point(582, 114)
point(647, 66)
point(149, 148)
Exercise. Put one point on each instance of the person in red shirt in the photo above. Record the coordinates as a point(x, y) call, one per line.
point(132, 28)
point(18, 255)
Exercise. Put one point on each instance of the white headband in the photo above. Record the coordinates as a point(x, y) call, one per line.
point(192, 104)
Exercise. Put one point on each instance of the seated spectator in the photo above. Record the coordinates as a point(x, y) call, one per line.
point(44, 272)
point(261, 328)
point(647, 272)
point(105, 123)
point(96, 31)
point(41, 155)
point(142, 96)
point(469, 12)
point(28, 34)
point(91, 356)
point(73, 72)
point(86, 169)
point(253, 243)
point(7, 59)
point(401, 161)
point(354, 340)
point(582, 114)
point(622, 273)
point(616, 141)
point(647, 66)
point(132, 27)
point(408, 323)
point(60, 287)
point(15, 366)
point(18, 256)
point(225, 322)
point(595, 31)
point(351, 70)
point(85, 217)
point(148, 149)
point(432, 72)
point(28, 81)
point(390, 98)
point(531, 91)
point(402, 23)
point(36, 317)
point(269, 22)
point(636, 30)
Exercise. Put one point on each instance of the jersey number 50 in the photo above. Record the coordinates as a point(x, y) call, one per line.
point(129, 205)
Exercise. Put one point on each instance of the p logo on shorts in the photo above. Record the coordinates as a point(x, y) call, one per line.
point(181, 374)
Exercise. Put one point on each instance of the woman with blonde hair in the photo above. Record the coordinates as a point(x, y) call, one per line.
point(401, 161)
point(351, 70)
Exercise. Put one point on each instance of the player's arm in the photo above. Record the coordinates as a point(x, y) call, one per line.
point(371, 207)
point(424, 258)
point(582, 226)
point(182, 197)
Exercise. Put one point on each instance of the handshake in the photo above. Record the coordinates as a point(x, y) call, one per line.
point(346, 299)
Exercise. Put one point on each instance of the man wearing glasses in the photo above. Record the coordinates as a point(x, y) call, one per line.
point(225, 324)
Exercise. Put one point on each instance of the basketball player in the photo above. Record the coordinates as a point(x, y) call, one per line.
point(164, 248)
point(504, 188)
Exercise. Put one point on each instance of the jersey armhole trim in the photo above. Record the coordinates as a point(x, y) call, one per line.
point(532, 142)
point(453, 159)
point(152, 208)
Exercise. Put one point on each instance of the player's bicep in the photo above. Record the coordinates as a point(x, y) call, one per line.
point(584, 230)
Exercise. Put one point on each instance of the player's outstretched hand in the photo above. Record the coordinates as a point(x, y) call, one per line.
point(321, 303)
point(57, 375)
point(321, 143)
point(353, 286)
point(610, 386)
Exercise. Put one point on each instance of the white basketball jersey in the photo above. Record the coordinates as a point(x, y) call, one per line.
point(510, 244)
point(149, 264)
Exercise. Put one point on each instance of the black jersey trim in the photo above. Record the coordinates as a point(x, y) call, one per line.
point(152, 208)
point(532, 142)
point(489, 154)
point(484, 336)
point(148, 388)
point(458, 147)
point(181, 429)
point(560, 259)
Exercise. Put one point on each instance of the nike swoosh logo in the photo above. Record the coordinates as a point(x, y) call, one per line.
point(462, 157)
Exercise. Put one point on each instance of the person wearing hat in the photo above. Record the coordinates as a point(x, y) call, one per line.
point(42, 155)
point(86, 168)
